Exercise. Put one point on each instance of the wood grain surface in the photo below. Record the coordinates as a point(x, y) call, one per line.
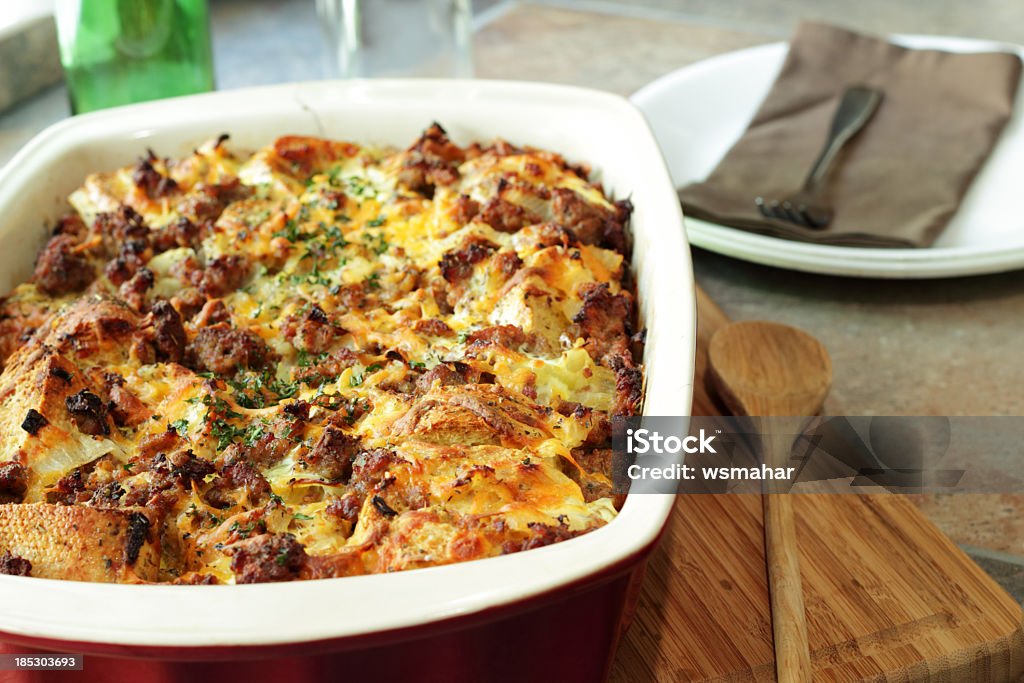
point(888, 597)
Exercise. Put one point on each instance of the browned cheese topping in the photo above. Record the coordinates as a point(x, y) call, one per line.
point(323, 359)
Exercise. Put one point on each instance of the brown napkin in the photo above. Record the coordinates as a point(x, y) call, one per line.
point(899, 181)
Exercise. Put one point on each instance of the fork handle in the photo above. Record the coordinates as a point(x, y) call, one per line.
point(855, 109)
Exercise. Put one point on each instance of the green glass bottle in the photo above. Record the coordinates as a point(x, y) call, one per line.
point(121, 51)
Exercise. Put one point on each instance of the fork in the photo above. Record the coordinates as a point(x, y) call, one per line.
point(808, 207)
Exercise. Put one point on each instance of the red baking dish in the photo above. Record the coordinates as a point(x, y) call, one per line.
point(549, 614)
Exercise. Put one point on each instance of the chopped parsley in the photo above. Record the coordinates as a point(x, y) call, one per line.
point(215, 406)
point(227, 433)
point(252, 434)
point(357, 186)
point(358, 377)
point(242, 531)
point(332, 235)
point(378, 244)
point(258, 389)
point(304, 360)
point(291, 232)
point(316, 254)
point(217, 415)
point(224, 432)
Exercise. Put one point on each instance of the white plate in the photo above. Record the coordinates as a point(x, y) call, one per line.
point(699, 111)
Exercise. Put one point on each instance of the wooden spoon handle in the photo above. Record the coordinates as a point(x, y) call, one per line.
point(782, 556)
point(789, 621)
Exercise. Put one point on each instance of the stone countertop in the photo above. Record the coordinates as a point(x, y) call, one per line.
point(29, 60)
point(935, 347)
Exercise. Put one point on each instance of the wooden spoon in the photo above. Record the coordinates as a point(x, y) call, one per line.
point(766, 369)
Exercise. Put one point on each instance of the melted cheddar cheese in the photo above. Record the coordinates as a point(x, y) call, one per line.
point(320, 360)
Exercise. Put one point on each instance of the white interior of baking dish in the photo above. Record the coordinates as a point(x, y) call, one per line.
point(601, 129)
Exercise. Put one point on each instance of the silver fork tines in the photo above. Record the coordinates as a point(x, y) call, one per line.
point(809, 207)
point(817, 216)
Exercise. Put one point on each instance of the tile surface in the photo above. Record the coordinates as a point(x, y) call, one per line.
point(991, 521)
point(1008, 574)
point(28, 59)
point(991, 19)
point(605, 51)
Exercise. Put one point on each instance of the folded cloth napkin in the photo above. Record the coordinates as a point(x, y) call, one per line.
point(899, 181)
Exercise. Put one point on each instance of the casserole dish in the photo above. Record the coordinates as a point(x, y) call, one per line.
point(553, 612)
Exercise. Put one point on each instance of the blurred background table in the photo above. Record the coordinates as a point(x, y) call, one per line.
point(938, 347)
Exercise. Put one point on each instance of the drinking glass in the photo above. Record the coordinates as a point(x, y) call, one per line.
point(369, 38)
point(122, 51)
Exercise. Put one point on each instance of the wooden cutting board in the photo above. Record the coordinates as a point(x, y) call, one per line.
point(888, 597)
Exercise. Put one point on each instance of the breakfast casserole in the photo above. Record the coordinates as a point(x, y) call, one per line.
point(321, 360)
